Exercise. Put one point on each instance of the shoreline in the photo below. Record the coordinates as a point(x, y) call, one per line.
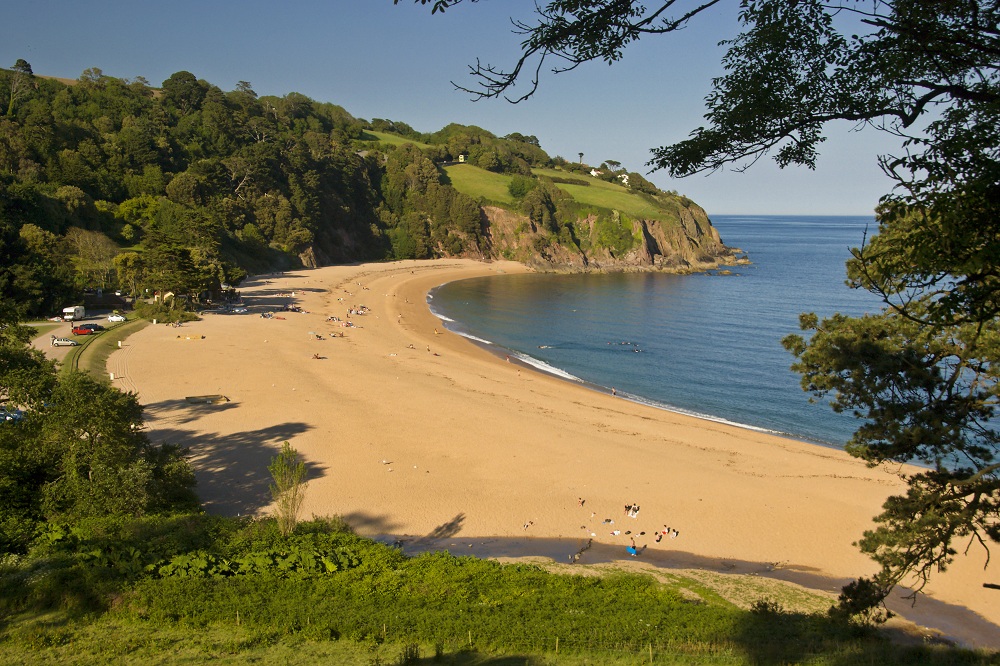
point(411, 430)
point(517, 358)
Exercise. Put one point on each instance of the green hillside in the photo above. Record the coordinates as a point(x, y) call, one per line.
point(603, 194)
point(393, 139)
point(481, 184)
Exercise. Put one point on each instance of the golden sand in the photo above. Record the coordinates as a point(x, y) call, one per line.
point(409, 429)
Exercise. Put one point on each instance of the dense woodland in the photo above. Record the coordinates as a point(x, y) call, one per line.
point(110, 182)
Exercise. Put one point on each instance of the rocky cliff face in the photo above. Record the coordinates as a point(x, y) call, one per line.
point(688, 244)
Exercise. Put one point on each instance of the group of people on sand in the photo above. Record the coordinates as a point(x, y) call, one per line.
point(632, 511)
point(666, 531)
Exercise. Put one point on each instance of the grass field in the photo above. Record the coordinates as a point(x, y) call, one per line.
point(480, 183)
point(42, 327)
point(395, 139)
point(606, 195)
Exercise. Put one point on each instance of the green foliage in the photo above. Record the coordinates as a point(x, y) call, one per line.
point(197, 574)
point(614, 233)
point(163, 313)
point(862, 602)
point(288, 489)
point(300, 556)
point(519, 186)
point(767, 607)
point(78, 452)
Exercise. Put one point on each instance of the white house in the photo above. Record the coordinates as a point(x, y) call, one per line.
point(624, 178)
point(595, 173)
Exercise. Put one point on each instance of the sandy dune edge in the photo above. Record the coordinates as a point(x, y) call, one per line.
point(411, 430)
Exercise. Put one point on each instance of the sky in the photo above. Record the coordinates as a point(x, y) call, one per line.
point(379, 60)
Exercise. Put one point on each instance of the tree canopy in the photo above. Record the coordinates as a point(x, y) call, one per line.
point(921, 375)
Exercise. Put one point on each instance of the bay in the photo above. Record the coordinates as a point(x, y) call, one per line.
point(704, 344)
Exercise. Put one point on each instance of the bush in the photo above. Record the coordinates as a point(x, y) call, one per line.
point(519, 186)
point(766, 607)
point(163, 313)
point(862, 603)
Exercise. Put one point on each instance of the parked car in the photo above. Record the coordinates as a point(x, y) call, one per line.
point(10, 414)
point(62, 342)
point(80, 330)
point(116, 318)
point(94, 327)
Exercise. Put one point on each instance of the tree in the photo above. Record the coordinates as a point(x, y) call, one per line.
point(79, 451)
point(95, 254)
point(922, 375)
point(21, 81)
point(129, 270)
point(288, 490)
point(184, 92)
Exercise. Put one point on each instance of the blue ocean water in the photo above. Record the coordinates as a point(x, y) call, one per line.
point(706, 344)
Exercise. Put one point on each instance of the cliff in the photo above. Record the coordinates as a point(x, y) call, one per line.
point(688, 244)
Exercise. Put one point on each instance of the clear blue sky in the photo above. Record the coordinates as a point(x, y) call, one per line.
point(378, 60)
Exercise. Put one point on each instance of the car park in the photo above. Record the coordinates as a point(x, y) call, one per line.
point(115, 318)
point(62, 342)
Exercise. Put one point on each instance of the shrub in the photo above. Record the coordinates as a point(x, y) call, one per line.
point(519, 186)
point(289, 487)
point(163, 313)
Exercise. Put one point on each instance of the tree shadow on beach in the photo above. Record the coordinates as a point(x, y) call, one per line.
point(369, 523)
point(182, 411)
point(447, 530)
point(231, 469)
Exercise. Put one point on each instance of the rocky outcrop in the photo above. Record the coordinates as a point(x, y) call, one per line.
point(688, 244)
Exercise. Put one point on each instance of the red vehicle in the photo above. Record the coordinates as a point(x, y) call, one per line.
point(81, 330)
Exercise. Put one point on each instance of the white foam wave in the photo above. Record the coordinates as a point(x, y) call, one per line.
point(472, 337)
point(698, 415)
point(544, 367)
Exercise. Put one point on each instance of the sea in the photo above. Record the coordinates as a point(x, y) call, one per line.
point(706, 344)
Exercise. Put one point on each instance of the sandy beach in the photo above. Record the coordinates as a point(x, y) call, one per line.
point(414, 432)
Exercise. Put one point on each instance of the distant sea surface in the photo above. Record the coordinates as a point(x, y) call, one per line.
point(706, 344)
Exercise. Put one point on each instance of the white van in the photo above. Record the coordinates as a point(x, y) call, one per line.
point(74, 313)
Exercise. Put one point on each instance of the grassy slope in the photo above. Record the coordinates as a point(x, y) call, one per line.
point(606, 195)
point(476, 183)
point(395, 139)
point(511, 618)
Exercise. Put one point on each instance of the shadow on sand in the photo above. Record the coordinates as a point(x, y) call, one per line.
point(232, 469)
point(181, 411)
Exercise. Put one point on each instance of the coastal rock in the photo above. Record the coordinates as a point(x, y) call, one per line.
point(688, 243)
